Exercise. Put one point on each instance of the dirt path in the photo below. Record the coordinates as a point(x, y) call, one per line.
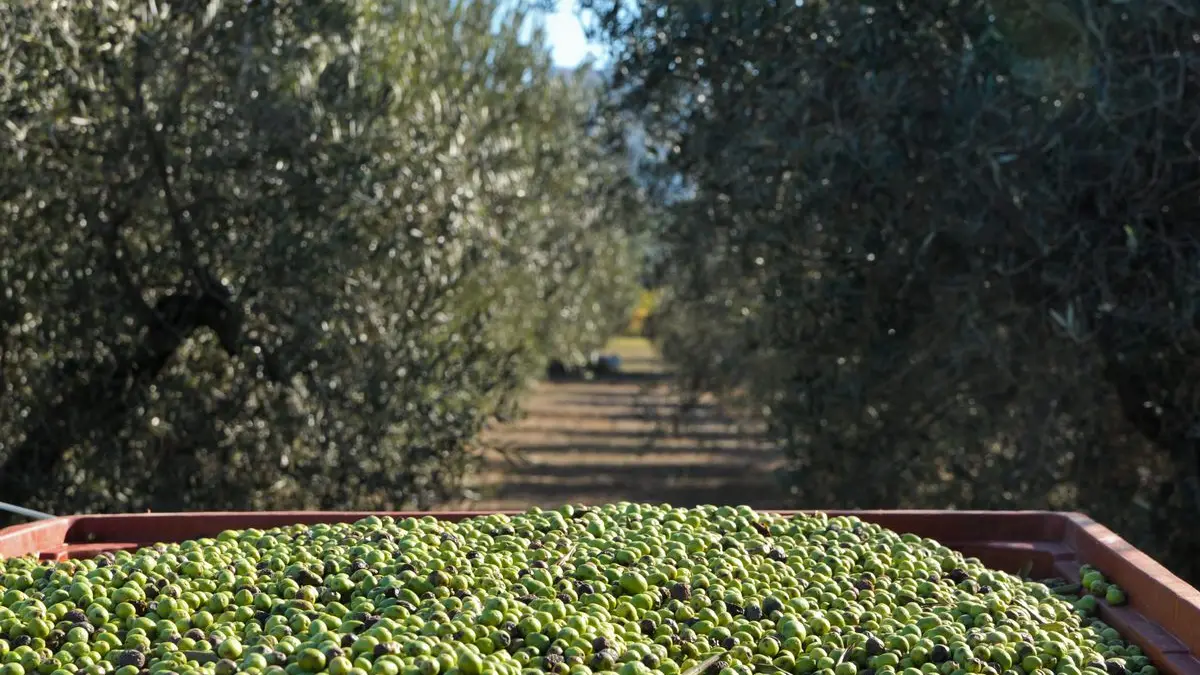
point(613, 439)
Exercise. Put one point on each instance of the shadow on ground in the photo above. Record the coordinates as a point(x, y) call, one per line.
point(647, 377)
point(614, 438)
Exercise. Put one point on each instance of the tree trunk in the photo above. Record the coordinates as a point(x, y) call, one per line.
point(99, 404)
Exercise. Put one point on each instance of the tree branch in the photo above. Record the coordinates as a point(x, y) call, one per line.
point(159, 155)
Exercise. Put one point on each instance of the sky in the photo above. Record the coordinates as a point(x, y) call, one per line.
point(567, 41)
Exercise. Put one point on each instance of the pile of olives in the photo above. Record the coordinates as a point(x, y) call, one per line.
point(621, 589)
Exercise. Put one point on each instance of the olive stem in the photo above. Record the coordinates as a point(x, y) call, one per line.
point(566, 554)
point(703, 665)
point(201, 657)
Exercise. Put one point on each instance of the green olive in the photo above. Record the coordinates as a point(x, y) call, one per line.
point(619, 589)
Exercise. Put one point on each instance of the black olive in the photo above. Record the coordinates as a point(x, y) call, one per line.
point(131, 657)
point(681, 591)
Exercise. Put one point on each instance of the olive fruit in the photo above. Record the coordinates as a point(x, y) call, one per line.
point(619, 589)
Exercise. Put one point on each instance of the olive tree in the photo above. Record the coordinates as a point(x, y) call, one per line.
point(285, 254)
point(944, 248)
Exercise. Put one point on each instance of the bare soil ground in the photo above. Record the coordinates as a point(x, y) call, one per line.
point(615, 438)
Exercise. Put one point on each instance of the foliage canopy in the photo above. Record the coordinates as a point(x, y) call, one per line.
point(265, 254)
point(948, 248)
